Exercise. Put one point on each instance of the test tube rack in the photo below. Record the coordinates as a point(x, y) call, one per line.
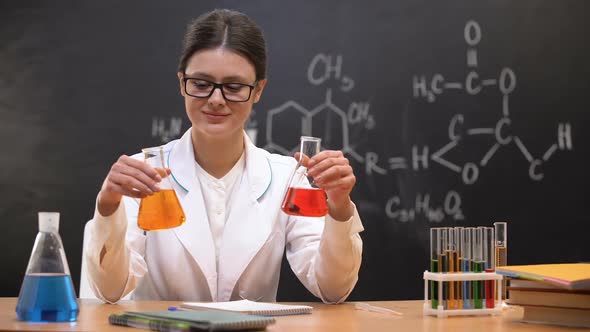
point(441, 277)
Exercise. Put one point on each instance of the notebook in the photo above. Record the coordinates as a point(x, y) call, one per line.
point(250, 307)
point(570, 276)
point(190, 320)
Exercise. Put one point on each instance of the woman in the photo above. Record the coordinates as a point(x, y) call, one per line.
point(232, 243)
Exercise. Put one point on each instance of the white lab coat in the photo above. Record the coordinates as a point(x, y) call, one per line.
point(180, 263)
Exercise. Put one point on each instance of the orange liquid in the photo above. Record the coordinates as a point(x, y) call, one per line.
point(502, 260)
point(160, 211)
point(305, 202)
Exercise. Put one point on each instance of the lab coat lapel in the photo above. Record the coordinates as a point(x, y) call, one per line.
point(195, 233)
point(248, 226)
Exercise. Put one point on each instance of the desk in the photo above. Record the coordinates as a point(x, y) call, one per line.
point(343, 317)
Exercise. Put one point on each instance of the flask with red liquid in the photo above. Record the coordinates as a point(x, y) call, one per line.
point(304, 197)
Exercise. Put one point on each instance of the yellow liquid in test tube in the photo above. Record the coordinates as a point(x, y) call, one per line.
point(501, 260)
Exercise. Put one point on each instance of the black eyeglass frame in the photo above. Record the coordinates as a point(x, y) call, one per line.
point(220, 87)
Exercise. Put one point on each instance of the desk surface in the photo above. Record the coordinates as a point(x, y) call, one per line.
point(343, 317)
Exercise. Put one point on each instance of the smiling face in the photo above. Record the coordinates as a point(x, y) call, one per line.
point(214, 117)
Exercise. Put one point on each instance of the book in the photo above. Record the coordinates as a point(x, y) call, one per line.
point(556, 316)
point(250, 307)
point(549, 297)
point(188, 320)
point(570, 276)
point(532, 284)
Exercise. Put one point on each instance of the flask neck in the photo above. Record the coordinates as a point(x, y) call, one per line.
point(49, 222)
point(48, 255)
point(310, 146)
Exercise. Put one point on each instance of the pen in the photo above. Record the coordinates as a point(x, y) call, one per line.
point(372, 308)
point(177, 309)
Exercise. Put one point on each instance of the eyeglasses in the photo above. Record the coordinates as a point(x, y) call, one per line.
point(200, 88)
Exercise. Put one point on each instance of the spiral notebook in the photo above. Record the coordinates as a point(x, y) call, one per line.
point(250, 307)
point(190, 320)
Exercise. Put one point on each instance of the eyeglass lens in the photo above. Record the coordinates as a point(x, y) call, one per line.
point(231, 91)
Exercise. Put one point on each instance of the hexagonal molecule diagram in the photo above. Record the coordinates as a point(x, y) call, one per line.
point(299, 123)
point(327, 120)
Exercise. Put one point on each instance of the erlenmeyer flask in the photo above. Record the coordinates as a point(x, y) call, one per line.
point(161, 210)
point(303, 197)
point(47, 293)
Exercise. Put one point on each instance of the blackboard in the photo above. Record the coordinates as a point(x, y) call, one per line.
point(454, 113)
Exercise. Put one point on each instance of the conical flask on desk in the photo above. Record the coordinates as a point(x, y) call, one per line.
point(47, 293)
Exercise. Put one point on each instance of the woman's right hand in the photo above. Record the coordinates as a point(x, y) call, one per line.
point(127, 177)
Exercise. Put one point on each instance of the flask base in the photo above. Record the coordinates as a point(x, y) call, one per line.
point(47, 297)
point(42, 315)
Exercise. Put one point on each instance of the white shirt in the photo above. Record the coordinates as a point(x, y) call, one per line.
point(217, 194)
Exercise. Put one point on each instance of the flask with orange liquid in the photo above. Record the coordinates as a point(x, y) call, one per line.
point(161, 210)
point(304, 197)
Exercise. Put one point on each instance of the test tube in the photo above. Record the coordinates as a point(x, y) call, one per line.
point(458, 267)
point(490, 264)
point(477, 259)
point(466, 265)
point(443, 262)
point(451, 254)
point(501, 232)
point(434, 264)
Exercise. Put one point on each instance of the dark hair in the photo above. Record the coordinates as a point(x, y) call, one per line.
point(229, 29)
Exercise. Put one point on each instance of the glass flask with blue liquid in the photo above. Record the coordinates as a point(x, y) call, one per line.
point(47, 293)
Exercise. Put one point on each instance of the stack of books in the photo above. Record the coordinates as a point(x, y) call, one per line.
point(557, 294)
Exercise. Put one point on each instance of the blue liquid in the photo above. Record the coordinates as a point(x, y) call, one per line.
point(466, 287)
point(47, 298)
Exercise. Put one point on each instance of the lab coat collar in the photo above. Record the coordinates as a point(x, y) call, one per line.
point(182, 157)
point(246, 229)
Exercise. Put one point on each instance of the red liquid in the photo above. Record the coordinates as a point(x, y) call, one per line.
point(305, 202)
point(490, 292)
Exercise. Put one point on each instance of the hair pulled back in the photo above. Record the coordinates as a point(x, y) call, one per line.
point(228, 29)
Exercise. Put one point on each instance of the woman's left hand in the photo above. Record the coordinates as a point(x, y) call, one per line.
point(332, 172)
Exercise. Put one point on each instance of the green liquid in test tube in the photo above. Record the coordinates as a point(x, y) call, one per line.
point(438, 261)
point(490, 265)
point(433, 267)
